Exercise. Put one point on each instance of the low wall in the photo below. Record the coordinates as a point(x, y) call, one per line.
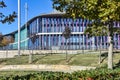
point(12, 53)
point(8, 54)
point(63, 68)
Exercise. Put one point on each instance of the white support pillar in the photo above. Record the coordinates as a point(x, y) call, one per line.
point(19, 27)
point(26, 13)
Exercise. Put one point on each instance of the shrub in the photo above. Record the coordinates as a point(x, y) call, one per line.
point(97, 74)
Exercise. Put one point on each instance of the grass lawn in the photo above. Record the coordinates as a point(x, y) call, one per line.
point(73, 59)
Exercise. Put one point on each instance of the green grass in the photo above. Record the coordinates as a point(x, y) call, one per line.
point(73, 59)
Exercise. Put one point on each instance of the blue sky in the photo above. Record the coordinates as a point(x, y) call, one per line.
point(35, 7)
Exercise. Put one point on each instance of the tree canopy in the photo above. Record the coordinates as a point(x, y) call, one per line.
point(102, 13)
point(5, 40)
point(67, 32)
point(90, 9)
point(9, 18)
point(34, 37)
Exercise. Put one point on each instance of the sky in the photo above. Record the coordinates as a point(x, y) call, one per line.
point(35, 8)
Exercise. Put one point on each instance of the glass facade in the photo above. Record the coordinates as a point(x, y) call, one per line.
point(49, 29)
point(23, 39)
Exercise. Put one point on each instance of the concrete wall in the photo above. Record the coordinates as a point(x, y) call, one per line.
point(12, 53)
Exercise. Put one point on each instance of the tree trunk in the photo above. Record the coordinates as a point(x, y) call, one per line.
point(83, 45)
point(7, 52)
point(110, 53)
point(100, 51)
point(110, 41)
point(66, 50)
point(30, 56)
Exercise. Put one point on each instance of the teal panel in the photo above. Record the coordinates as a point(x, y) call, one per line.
point(15, 46)
point(23, 39)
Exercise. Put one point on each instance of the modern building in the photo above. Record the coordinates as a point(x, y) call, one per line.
point(49, 28)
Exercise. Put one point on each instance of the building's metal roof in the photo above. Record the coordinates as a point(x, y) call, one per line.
point(53, 14)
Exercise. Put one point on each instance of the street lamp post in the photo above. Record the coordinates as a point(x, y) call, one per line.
point(19, 27)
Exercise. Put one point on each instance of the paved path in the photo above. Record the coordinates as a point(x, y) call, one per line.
point(61, 68)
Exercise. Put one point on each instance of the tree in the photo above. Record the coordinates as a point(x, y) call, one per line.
point(100, 12)
point(1, 38)
point(33, 38)
point(93, 30)
point(6, 19)
point(5, 40)
point(66, 33)
point(11, 39)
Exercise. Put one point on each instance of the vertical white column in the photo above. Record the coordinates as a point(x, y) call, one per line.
point(19, 27)
point(93, 43)
point(37, 25)
point(43, 19)
point(26, 13)
point(83, 41)
point(79, 41)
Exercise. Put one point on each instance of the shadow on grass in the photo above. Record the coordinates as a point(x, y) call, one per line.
point(72, 57)
point(117, 65)
point(105, 55)
point(2, 60)
point(45, 55)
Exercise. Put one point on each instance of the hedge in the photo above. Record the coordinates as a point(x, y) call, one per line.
point(97, 74)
